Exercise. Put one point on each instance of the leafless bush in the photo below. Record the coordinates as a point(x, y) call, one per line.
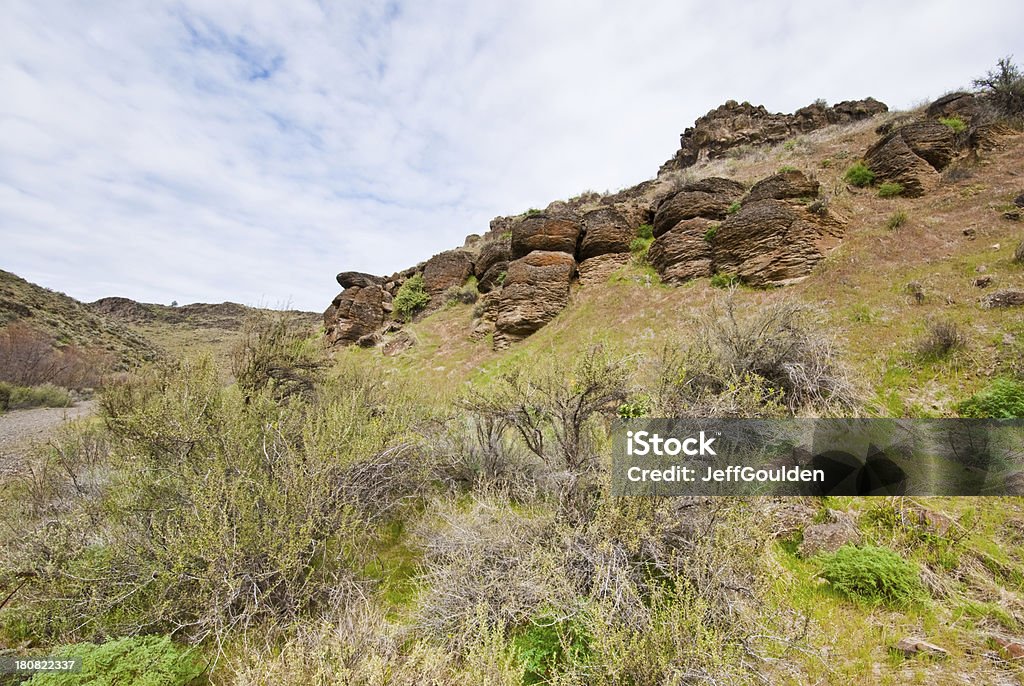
point(775, 354)
point(479, 451)
point(28, 358)
point(940, 339)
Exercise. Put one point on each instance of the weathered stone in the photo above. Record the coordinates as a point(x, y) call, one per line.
point(358, 280)
point(1019, 200)
point(491, 262)
point(536, 289)
point(398, 343)
point(912, 156)
point(605, 231)
point(963, 105)
point(709, 198)
point(735, 124)
point(485, 314)
point(597, 270)
point(1010, 648)
point(912, 646)
point(787, 185)
point(830, 536)
point(983, 281)
point(354, 313)
point(683, 253)
point(1004, 299)
point(370, 340)
point(447, 269)
point(546, 233)
point(770, 242)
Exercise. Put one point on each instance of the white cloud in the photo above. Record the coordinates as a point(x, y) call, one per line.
point(203, 151)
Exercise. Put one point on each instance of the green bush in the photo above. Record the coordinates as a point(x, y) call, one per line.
point(733, 208)
point(873, 574)
point(712, 231)
point(859, 175)
point(640, 245)
point(18, 397)
point(898, 219)
point(411, 298)
point(724, 280)
point(1001, 399)
point(787, 168)
point(548, 646)
point(645, 231)
point(955, 123)
point(890, 190)
point(139, 661)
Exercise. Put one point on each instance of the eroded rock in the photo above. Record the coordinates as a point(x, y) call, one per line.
point(354, 313)
point(791, 184)
point(546, 233)
point(536, 289)
point(605, 230)
point(683, 253)
point(709, 198)
point(912, 156)
point(447, 269)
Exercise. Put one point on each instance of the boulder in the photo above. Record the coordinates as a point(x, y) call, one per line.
point(913, 645)
point(354, 313)
point(358, 280)
point(912, 156)
point(447, 269)
point(683, 253)
point(787, 185)
point(959, 104)
point(398, 343)
point(597, 270)
point(770, 242)
point(485, 314)
point(491, 263)
point(1003, 299)
point(546, 233)
point(709, 198)
point(536, 289)
point(830, 536)
point(605, 231)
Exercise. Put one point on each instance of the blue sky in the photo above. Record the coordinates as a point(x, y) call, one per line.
point(248, 151)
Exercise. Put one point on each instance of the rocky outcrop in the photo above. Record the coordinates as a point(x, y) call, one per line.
point(771, 242)
point(356, 312)
point(492, 262)
point(791, 184)
point(709, 198)
point(735, 124)
point(536, 289)
point(966, 106)
point(546, 232)
point(604, 231)
point(1004, 299)
point(912, 156)
point(683, 253)
point(358, 279)
point(447, 269)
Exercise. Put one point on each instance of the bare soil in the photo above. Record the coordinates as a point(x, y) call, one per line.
point(20, 429)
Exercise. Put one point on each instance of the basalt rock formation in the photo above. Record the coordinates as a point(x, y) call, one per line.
point(772, 234)
point(736, 124)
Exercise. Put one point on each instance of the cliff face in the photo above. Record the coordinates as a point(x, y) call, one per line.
point(772, 233)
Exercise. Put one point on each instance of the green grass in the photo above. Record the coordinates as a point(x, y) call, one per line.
point(890, 190)
point(1001, 399)
point(859, 175)
point(18, 397)
point(896, 220)
point(139, 661)
point(955, 123)
point(873, 575)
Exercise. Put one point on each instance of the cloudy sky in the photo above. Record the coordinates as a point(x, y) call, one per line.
point(248, 150)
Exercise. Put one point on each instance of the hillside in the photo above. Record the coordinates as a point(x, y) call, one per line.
point(899, 265)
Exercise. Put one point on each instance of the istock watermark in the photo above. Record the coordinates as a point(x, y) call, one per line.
point(917, 457)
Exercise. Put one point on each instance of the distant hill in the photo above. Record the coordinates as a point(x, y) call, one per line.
point(69, 322)
point(130, 331)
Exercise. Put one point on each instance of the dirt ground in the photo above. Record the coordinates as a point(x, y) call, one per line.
point(19, 429)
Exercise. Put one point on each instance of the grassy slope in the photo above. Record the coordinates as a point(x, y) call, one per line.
point(860, 294)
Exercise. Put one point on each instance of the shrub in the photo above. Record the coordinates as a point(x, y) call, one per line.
point(28, 358)
point(890, 190)
point(859, 175)
point(777, 343)
point(466, 295)
point(1004, 86)
point(733, 208)
point(549, 645)
point(1018, 254)
point(46, 395)
point(639, 246)
point(1001, 399)
point(787, 168)
point(723, 280)
point(955, 123)
point(940, 339)
point(410, 298)
point(896, 220)
point(710, 234)
point(872, 574)
point(500, 280)
point(140, 661)
point(276, 353)
point(645, 231)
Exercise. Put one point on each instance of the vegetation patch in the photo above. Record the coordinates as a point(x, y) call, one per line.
point(17, 397)
point(139, 661)
point(874, 575)
point(955, 123)
point(410, 298)
point(859, 175)
point(890, 190)
point(1001, 399)
point(896, 220)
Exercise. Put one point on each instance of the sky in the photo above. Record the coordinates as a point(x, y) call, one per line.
point(248, 150)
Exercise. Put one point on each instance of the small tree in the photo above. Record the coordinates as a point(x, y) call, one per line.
point(1004, 85)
